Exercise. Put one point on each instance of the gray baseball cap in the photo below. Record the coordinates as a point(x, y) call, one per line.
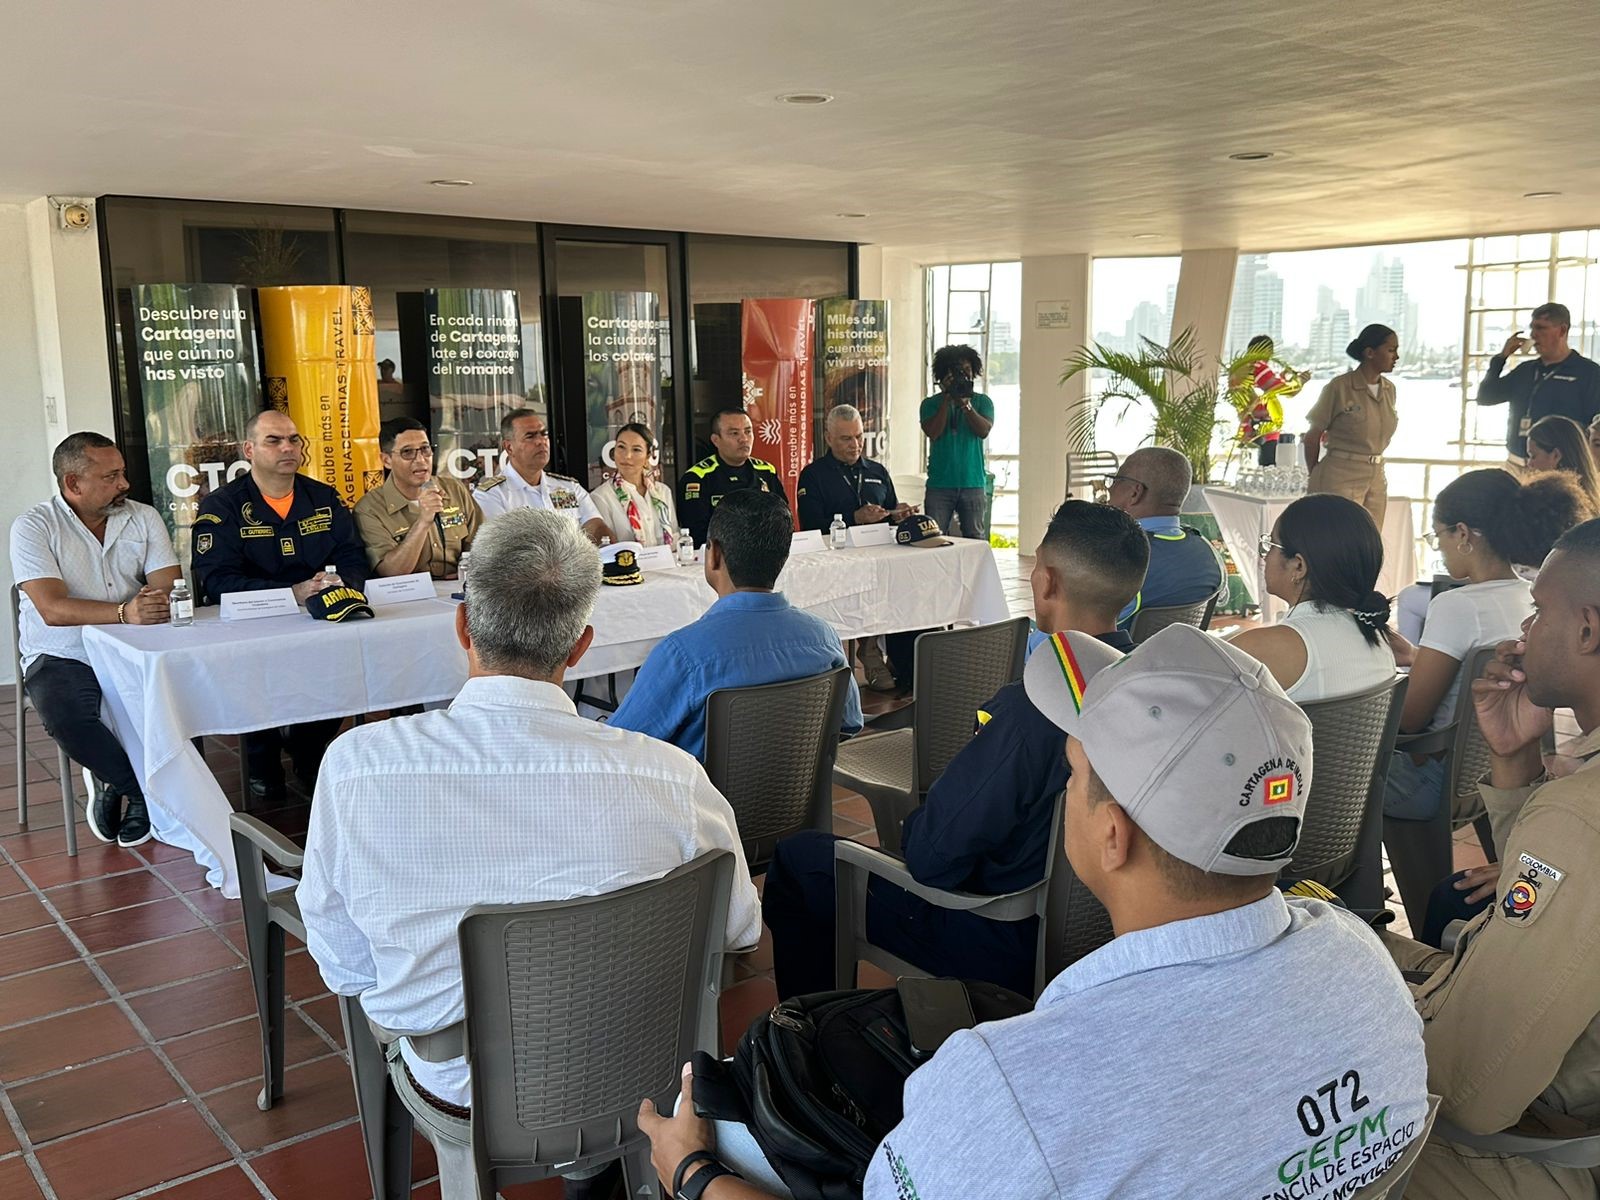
point(1193, 738)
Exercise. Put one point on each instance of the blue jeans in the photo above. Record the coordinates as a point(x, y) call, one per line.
point(1412, 792)
point(965, 504)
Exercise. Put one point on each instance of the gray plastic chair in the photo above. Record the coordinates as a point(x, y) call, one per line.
point(855, 865)
point(1341, 835)
point(22, 704)
point(1087, 469)
point(957, 670)
point(268, 915)
point(1581, 1152)
point(1151, 621)
point(1420, 852)
point(1391, 1185)
point(770, 750)
point(575, 1010)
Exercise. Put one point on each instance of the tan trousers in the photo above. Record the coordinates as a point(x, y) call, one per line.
point(1362, 482)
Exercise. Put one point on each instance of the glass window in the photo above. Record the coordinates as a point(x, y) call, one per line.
point(1130, 299)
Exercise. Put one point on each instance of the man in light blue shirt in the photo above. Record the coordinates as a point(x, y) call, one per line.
point(751, 635)
point(1151, 487)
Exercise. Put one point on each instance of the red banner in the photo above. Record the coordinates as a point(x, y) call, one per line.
point(778, 341)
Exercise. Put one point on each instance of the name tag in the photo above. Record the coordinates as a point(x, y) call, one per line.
point(807, 541)
point(248, 606)
point(397, 589)
point(320, 521)
point(881, 534)
point(656, 558)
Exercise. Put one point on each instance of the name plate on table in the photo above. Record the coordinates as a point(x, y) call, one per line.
point(270, 602)
point(807, 541)
point(881, 534)
point(656, 558)
point(397, 589)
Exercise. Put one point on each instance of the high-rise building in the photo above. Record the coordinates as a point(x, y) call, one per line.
point(1330, 328)
point(1257, 303)
point(1148, 320)
point(1382, 300)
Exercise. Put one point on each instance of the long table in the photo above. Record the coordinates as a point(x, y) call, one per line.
point(1243, 519)
point(164, 687)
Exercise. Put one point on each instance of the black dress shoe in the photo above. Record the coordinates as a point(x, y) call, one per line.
point(104, 813)
point(263, 791)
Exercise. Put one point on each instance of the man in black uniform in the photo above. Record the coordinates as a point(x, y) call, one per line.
point(730, 469)
point(847, 482)
point(276, 528)
point(1562, 381)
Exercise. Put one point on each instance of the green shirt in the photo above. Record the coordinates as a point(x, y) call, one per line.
point(955, 459)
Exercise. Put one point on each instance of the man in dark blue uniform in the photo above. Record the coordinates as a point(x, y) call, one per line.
point(985, 826)
point(276, 528)
point(1560, 382)
point(731, 469)
point(1184, 569)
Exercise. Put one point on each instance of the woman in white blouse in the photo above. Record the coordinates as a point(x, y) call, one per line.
point(632, 500)
point(1323, 557)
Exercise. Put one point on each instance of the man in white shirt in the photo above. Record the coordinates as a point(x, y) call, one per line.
point(505, 797)
point(523, 481)
point(89, 556)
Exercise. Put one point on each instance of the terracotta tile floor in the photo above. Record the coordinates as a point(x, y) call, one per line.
point(129, 1054)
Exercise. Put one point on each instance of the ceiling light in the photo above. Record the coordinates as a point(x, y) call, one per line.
point(1252, 156)
point(852, 216)
point(804, 97)
point(1539, 195)
point(451, 182)
point(1145, 237)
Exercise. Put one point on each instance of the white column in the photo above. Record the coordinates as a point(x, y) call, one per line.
point(70, 320)
point(885, 276)
point(1205, 294)
point(1042, 471)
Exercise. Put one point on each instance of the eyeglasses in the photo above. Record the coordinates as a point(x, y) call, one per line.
point(1265, 545)
point(412, 453)
point(1111, 479)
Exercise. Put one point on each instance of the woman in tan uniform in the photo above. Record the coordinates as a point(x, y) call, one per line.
point(1356, 412)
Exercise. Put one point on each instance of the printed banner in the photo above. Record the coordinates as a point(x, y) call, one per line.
point(855, 367)
point(778, 346)
point(317, 344)
point(474, 355)
point(194, 348)
point(624, 358)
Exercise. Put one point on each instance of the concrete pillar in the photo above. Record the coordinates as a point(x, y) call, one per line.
point(899, 281)
point(1047, 284)
point(70, 322)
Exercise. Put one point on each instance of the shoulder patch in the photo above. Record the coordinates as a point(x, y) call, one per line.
point(705, 466)
point(1531, 891)
point(762, 465)
point(211, 517)
point(489, 483)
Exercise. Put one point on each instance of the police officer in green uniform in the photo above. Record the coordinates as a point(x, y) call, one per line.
point(276, 528)
point(730, 469)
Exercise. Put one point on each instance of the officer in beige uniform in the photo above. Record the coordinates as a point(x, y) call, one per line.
point(1511, 1017)
point(1356, 412)
point(417, 521)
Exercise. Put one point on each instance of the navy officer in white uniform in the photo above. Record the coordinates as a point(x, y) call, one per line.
point(523, 481)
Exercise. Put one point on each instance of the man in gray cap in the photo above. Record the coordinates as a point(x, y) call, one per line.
point(1229, 1041)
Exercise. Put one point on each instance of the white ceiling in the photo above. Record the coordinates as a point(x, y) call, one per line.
point(965, 131)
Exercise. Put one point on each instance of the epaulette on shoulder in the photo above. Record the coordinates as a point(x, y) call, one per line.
point(489, 482)
point(762, 464)
point(705, 466)
point(562, 478)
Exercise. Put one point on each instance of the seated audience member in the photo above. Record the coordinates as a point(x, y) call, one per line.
point(845, 481)
point(1323, 558)
point(1483, 523)
point(1512, 1017)
point(751, 635)
point(1270, 1037)
point(505, 797)
point(1560, 444)
point(634, 502)
point(1184, 569)
point(985, 826)
point(1594, 438)
point(276, 528)
point(417, 521)
point(88, 556)
point(523, 481)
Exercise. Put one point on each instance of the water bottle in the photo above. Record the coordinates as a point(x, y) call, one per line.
point(838, 538)
point(604, 541)
point(181, 603)
point(685, 548)
point(332, 572)
point(461, 570)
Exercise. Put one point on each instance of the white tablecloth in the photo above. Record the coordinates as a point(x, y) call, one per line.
point(164, 686)
point(1243, 519)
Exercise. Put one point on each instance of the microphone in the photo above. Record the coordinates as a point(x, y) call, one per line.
point(438, 521)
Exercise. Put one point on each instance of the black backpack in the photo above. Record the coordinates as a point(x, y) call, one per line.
point(819, 1081)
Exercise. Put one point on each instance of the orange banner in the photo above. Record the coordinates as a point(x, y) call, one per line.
point(778, 341)
point(321, 370)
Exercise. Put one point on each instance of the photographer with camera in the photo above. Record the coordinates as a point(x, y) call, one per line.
point(957, 419)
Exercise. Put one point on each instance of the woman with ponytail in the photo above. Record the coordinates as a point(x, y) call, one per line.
point(1323, 558)
point(1485, 523)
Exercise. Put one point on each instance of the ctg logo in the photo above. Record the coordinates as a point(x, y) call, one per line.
point(183, 479)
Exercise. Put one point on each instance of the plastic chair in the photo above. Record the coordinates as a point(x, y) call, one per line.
point(268, 915)
point(957, 670)
point(770, 750)
point(22, 703)
point(1391, 1185)
point(1420, 852)
point(575, 1009)
point(1085, 470)
point(1342, 831)
point(1581, 1152)
point(1150, 621)
point(854, 865)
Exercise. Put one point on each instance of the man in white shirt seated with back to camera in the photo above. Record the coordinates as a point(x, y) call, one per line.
point(506, 797)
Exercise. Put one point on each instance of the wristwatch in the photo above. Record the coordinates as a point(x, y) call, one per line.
point(696, 1186)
